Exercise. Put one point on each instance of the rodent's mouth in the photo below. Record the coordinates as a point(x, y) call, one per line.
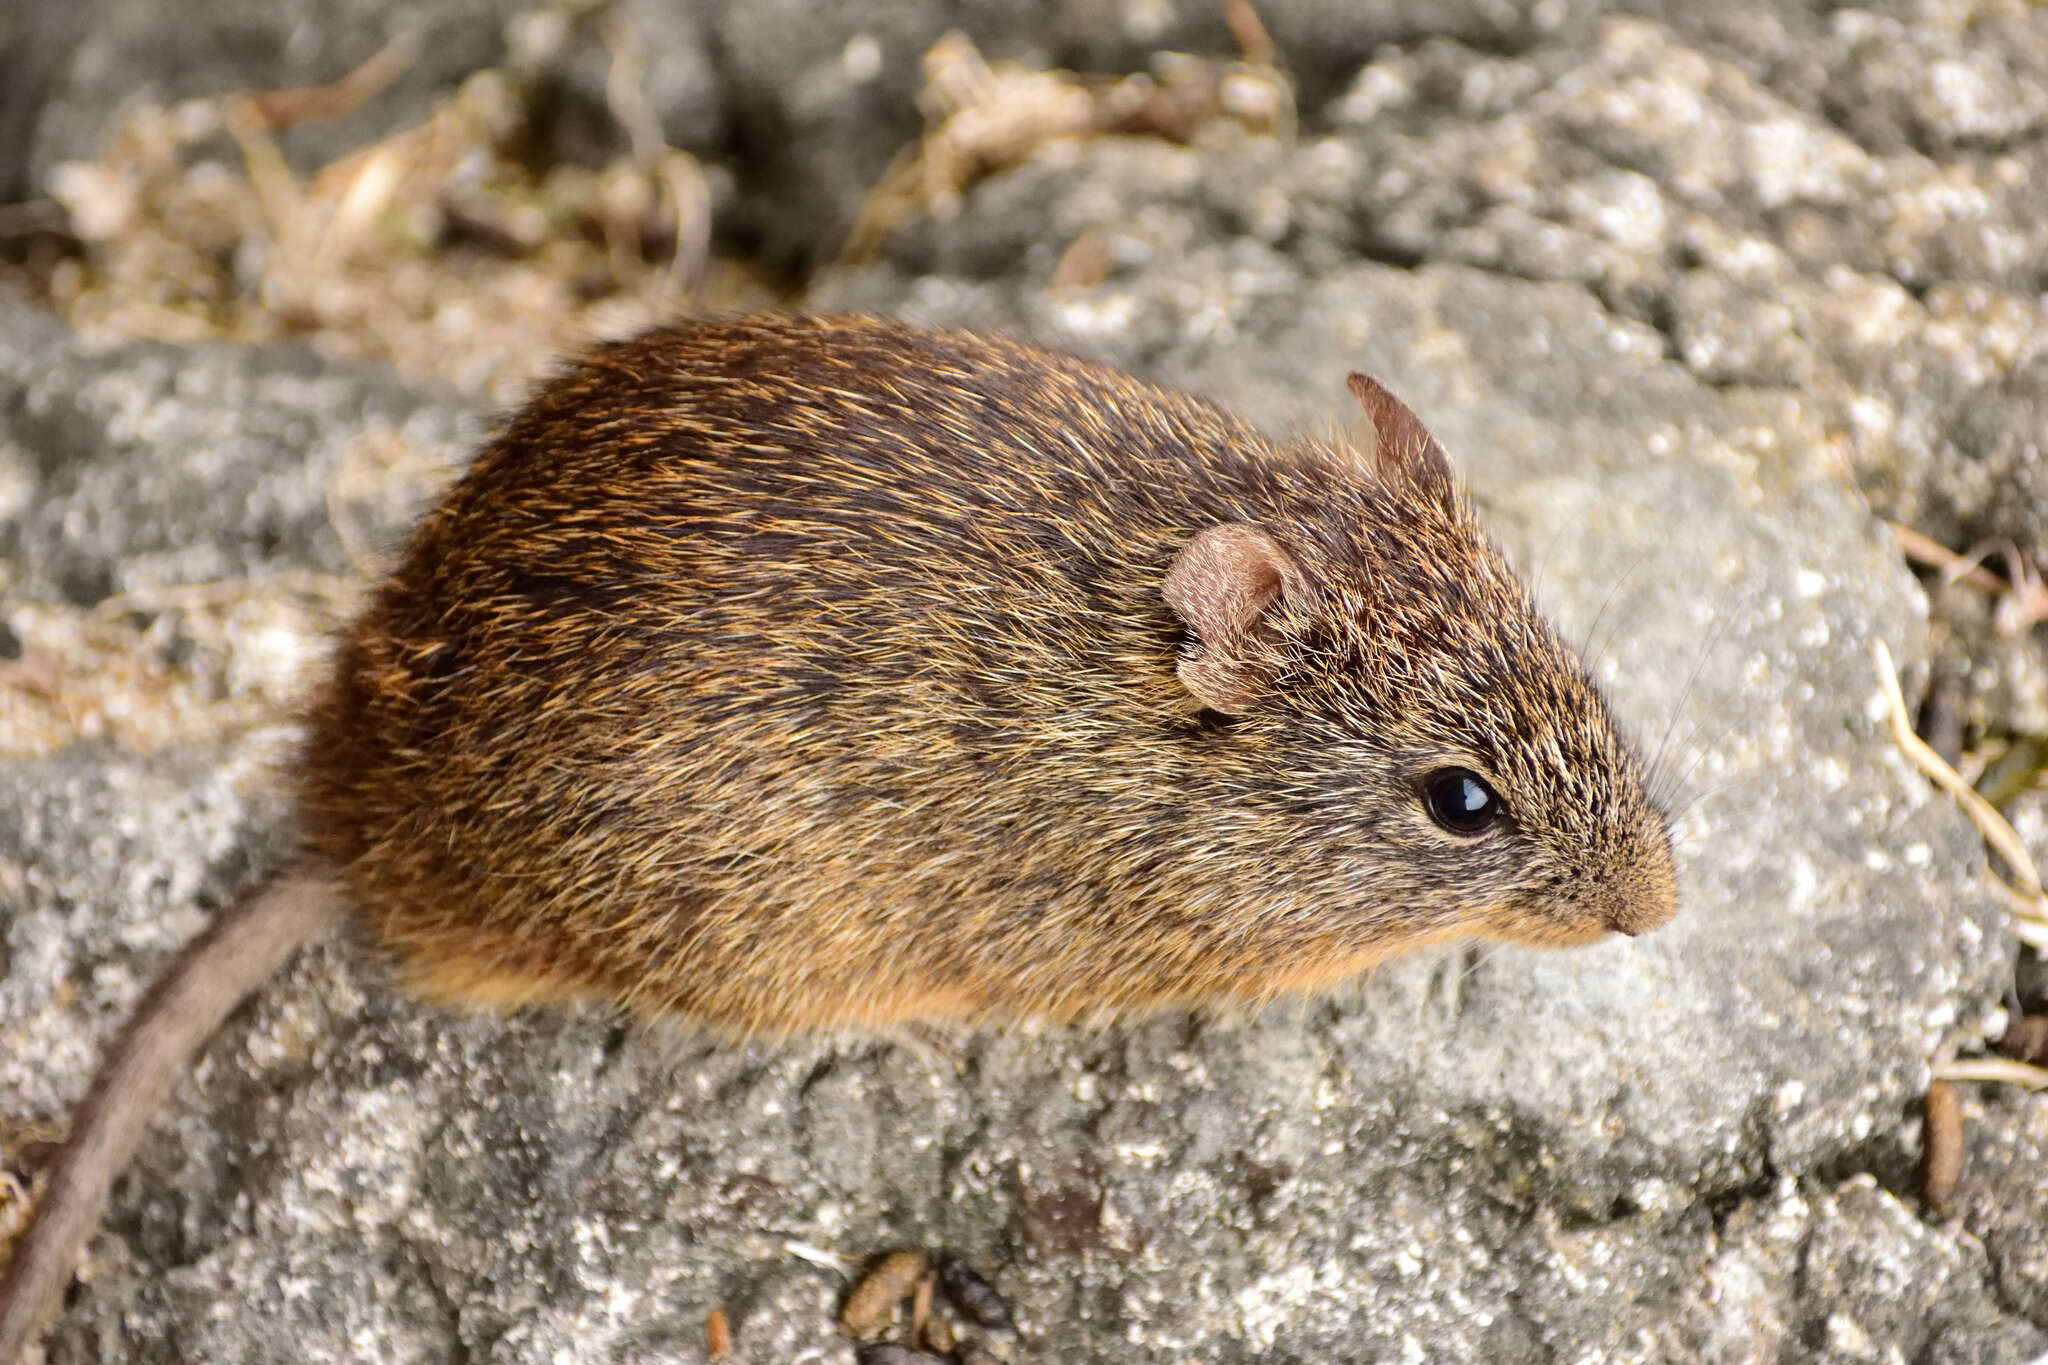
point(1557, 934)
point(1643, 897)
point(1550, 930)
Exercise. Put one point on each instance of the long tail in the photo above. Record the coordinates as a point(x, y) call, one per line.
point(235, 954)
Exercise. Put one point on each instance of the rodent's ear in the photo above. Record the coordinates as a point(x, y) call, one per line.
point(1222, 585)
point(1402, 446)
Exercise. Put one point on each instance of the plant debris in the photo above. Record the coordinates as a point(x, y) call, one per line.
point(2029, 902)
point(439, 250)
point(982, 117)
point(1941, 1144)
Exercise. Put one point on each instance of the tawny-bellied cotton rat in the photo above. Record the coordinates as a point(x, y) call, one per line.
point(778, 675)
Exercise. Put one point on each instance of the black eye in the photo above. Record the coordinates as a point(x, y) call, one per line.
point(1460, 801)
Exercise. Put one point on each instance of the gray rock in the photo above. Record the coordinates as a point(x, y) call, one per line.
point(1642, 287)
point(36, 43)
point(129, 51)
point(2002, 1199)
point(154, 465)
point(803, 105)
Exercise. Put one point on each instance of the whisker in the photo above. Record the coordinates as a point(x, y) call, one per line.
point(1714, 637)
point(1585, 650)
point(1696, 799)
point(1538, 575)
point(1663, 792)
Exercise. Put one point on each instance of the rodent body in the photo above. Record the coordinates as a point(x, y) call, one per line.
point(789, 674)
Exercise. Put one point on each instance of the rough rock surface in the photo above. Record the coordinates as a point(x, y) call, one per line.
point(1677, 295)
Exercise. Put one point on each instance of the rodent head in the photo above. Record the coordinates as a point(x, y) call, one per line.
point(1392, 641)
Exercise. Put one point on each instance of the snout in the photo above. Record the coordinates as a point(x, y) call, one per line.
point(1644, 901)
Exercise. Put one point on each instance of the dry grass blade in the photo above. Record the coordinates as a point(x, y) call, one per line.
point(1997, 831)
point(2024, 597)
point(625, 91)
point(339, 592)
point(339, 98)
point(1924, 549)
point(1250, 31)
point(1994, 1069)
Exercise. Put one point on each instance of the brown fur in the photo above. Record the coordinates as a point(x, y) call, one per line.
point(781, 675)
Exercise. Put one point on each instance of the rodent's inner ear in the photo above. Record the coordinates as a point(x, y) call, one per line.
point(1223, 584)
point(1402, 446)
